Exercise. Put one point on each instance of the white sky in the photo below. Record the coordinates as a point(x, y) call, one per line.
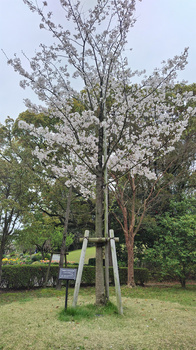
point(162, 30)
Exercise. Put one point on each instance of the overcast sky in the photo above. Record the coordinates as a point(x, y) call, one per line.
point(162, 30)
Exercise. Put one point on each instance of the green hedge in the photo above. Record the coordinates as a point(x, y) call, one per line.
point(30, 276)
point(27, 276)
point(141, 275)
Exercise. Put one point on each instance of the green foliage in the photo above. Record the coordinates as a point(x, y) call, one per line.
point(16, 277)
point(122, 255)
point(141, 275)
point(27, 276)
point(44, 233)
point(174, 253)
point(16, 181)
point(92, 261)
point(36, 257)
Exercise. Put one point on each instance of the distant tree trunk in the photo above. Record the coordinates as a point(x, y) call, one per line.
point(130, 251)
point(183, 278)
point(127, 226)
point(63, 245)
point(183, 282)
point(42, 253)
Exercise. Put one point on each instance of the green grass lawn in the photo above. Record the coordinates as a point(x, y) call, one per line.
point(155, 318)
point(75, 255)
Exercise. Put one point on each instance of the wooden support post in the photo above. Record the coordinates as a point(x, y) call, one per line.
point(80, 269)
point(107, 278)
point(116, 274)
point(66, 293)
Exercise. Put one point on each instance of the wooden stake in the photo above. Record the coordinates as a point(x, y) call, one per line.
point(116, 274)
point(80, 269)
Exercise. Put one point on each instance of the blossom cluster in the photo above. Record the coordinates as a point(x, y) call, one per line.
point(142, 121)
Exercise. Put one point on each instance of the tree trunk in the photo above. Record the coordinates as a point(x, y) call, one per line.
point(99, 282)
point(183, 278)
point(129, 238)
point(48, 271)
point(130, 275)
point(63, 245)
point(183, 282)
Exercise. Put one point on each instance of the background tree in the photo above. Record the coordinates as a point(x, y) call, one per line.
point(134, 195)
point(53, 201)
point(16, 183)
point(53, 196)
point(41, 233)
point(174, 250)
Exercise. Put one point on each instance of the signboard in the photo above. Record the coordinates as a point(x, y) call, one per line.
point(67, 274)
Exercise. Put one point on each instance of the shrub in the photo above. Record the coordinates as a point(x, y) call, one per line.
point(12, 254)
point(141, 276)
point(29, 276)
point(36, 257)
point(92, 262)
point(174, 251)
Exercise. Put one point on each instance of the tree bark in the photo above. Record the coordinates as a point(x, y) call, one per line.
point(183, 282)
point(130, 275)
point(128, 225)
point(63, 245)
point(99, 281)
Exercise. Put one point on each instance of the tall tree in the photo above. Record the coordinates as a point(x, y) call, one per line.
point(94, 47)
point(15, 186)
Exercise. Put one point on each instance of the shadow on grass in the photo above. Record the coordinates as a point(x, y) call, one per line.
point(72, 314)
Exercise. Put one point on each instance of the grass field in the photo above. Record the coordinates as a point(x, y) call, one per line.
point(155, 318)
point(75, 255)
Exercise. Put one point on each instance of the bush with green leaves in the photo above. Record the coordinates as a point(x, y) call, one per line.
point(174, 253)
point(36, 257)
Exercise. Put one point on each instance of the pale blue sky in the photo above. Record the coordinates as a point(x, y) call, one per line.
point(162, 30)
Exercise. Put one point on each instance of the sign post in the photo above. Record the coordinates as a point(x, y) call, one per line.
point(67, 274)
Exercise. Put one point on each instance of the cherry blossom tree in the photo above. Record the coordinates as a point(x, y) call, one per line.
point(131, 118)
